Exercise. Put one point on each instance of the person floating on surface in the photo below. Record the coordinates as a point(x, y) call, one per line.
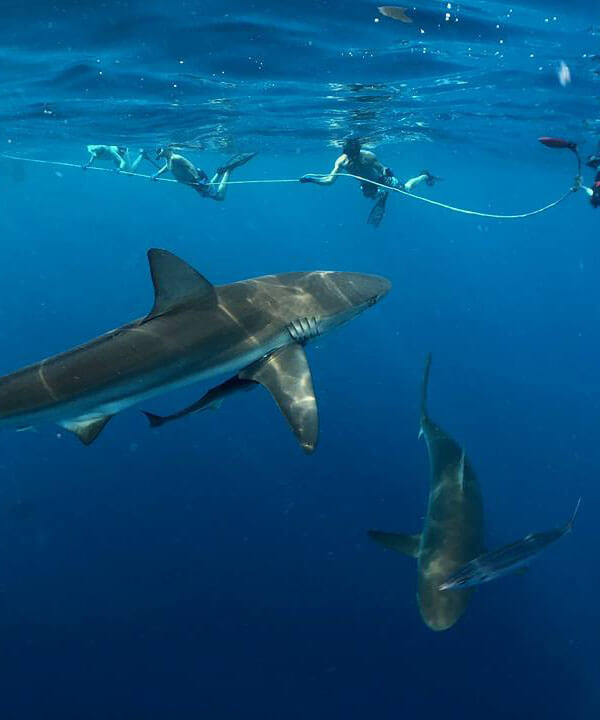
point(364, 163)
point(185, 172)
point(116, 154)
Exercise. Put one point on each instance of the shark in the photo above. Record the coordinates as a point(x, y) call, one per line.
point(453, 531)
point(195, 330)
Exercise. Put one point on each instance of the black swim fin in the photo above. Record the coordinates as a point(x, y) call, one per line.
point(431, 179)
point(378, 211)
point(236, 162)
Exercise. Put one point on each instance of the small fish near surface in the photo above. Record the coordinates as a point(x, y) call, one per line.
point(506, 560)
point(395, 12)
point(256, 328)
point(453, 530)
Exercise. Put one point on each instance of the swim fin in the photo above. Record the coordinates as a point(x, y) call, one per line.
point(378, 211)
point(236, 162)
point(431, 179)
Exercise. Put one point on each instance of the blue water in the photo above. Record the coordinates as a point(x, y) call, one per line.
point(210, 569)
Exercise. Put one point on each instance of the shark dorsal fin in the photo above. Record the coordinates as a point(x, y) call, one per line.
point(176, 283)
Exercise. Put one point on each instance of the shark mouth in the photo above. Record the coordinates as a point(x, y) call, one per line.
point(303, 329)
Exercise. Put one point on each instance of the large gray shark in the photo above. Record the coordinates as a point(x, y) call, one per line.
point(194, 331)
point(453, 530)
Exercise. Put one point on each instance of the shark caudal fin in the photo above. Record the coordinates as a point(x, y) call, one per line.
point(399, 542)
point(424, 389)
point(569, 525)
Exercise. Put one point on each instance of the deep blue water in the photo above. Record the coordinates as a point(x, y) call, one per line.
point(210, 568)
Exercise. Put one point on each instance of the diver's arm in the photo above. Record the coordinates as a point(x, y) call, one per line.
point(162, 171)
point(326, 179)
point(90, 162)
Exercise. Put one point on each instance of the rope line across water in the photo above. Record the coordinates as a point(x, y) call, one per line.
point(279, 181)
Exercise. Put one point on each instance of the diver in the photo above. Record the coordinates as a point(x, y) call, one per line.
point(185, 172)
point(592, 192)
point(356, 161)
point(118, 155)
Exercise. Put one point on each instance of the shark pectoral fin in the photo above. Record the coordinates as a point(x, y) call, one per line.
point(176, 283)
point(286, 375)
point(86, 430)
point(405, 544)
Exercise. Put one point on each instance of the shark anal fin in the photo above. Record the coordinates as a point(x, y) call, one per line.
point(399, 542)
point(86, 430)
point(286, 375)
point(176, 283)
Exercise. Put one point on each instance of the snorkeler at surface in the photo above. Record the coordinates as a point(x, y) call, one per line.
point(356, 161)
point(592, 192)
point(116, 154)
point(185, 172)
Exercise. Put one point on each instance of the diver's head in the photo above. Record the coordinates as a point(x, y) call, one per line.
point(164, 152)
point(352, 147)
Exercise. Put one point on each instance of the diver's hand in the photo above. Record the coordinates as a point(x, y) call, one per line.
point(309, 179)
point(154, 177)
point(577, 183)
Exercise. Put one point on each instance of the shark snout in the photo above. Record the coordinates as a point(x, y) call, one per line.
point(366, 289)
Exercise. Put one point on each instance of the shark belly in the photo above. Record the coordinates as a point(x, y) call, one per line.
point(119, 370)
point(453, 535)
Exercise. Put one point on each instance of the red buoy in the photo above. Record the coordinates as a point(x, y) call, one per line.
point(558, 143)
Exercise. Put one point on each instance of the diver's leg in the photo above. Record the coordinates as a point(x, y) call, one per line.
point(425, 176)
point(219, 193)
point(134, 165)
point(409, 185)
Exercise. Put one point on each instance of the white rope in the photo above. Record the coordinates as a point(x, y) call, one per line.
point(278, 181)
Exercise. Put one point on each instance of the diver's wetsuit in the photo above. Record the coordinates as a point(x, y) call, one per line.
point(595, 198)
point(593, 192)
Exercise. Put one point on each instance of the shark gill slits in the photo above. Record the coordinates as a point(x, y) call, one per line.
point(304, 329)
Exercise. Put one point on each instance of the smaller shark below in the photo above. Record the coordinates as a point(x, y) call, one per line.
point(453, 530)
point(508, 559)
point(256, 328)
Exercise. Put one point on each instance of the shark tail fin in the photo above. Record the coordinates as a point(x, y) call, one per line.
point(154, 420)
point(425, 386)
point(571, 522)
